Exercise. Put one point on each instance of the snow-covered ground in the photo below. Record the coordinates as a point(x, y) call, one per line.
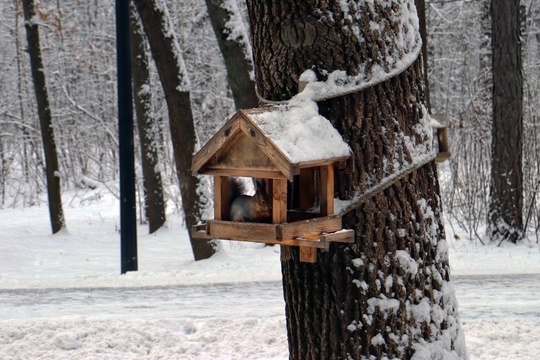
point(63, 298)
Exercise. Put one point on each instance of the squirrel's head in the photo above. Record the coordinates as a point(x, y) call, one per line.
point(263, 202)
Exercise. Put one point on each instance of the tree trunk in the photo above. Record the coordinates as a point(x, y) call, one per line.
point(173, 78)
point(421, 8)
point(154, 204)
point(56, 212)
point(505, 220)
point(388, 295)
point(235, 54)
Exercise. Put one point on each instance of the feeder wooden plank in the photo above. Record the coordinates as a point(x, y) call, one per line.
point(313, 241)
point(309, 227)
point(241, 152)
point(279, 210)
point(343, 236)
point(272, 152)
point(200, 232)
point(221, 195)
point(259, 173)
point(241, 231)
point(442, 156)
point(308, 254)
point(286, 243)
point(327, 190)
point(279, 201)
point(217, 141)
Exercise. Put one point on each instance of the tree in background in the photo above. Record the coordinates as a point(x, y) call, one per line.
point(45, 118)
point(389, 294)
point(154, 203)
point(236, 51)
point(506, 206)
point(174, 80)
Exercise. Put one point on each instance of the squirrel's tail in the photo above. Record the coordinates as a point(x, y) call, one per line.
point(236, 188)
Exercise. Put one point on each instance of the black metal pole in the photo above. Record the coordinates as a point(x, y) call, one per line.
point(128, 214)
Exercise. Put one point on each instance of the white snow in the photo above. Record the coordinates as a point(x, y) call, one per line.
point(301, 133)
point(63, 297)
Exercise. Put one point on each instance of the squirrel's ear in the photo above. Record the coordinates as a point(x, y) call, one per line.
point(260, 184)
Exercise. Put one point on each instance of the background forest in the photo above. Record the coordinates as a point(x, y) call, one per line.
point(78, 47)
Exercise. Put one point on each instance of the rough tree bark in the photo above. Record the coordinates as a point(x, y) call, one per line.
point(389, 294)
point(154, 204)
point(235, 55)
point(169, 63)
point(56, 212)
point(506, 207)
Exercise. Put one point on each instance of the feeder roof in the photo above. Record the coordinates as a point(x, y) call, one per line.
point(279, 139)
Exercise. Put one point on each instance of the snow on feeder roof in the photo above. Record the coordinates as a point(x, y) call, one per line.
point(272, 142)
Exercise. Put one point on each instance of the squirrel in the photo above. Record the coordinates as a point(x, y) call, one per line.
point(246, 208)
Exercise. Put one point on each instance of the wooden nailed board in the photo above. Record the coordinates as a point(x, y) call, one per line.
point(309, 227)
point(308, 234)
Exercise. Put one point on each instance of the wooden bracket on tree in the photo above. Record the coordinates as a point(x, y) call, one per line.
point(439, 123)
point(308, 235)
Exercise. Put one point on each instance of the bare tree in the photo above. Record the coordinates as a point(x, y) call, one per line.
point(506, 206)
point(235, 50)
point(45, 118)
point(154, 202)
point(169, 63)
point(364, 300)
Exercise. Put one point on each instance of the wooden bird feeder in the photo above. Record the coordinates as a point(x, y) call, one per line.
point(266, 143)
point(438, 123)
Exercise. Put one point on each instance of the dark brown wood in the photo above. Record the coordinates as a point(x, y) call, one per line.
point(329, 316)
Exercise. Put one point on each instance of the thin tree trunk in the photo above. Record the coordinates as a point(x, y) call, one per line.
point(235, 54)
point(167, 57)
point(421, 8)
point(154, 203)
point(388, 295)
point(506, 207)
point(45, 119)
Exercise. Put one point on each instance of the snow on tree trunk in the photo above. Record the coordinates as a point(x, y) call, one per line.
point(154, 202)
point(168, 58)
point(388, 295)
point(506, 206)
point(232, 39)
point(45, 118)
